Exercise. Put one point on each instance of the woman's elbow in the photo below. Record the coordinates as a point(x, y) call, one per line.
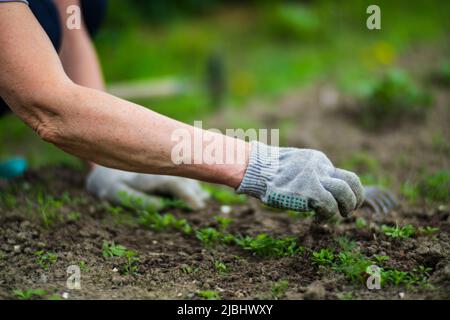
point(44, 109)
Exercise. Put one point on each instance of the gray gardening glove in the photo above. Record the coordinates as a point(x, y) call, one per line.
point(111, 185)
point(300, 180)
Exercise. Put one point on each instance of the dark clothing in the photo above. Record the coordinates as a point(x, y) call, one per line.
point(46, 13)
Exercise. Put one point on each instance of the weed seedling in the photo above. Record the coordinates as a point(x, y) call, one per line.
point(48, 208)
point(113, 250)
point(160, 222)
point(380, 259)
point(8, 200)
point(324, 257)
point(361, 223)
point(188, 269)
point(428, 231)
point(208, 294)
point(208, 236)
point(221, 267)
point(131, 264)
point(279, 288)
point(265, 245)
point(224, 196)
point(29, 293)
point(45, 259)
point(74, 216)
point(398, 232)
point(223, 222)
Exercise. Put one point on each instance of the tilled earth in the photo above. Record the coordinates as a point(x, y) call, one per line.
point(164, 255)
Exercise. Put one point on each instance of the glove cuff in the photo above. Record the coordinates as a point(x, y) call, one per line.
point(262, 166)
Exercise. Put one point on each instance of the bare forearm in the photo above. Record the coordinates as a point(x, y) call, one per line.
point(109, 131)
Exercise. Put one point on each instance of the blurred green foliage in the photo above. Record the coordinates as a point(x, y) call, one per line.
point(268, 47)
point(392, 98)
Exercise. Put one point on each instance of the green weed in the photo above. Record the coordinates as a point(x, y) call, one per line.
point(160, 222)
point(29, 293)
point(323, 257)
point(45, 259)
point(225, 196)
point(49, 209)
point(220, 266)
point(393, 97)
point(428, 230)
point(398, 232)
point(279, 288)
point(209, 236)
point(208, 294)
point(223, 222)
point(131, 264)
point(112, 250)
point(265, 245)
point(8, 200)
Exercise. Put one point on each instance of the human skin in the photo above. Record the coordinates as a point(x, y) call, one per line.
point(87, 122)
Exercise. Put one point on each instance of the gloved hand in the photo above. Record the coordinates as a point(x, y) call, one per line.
point(300, 180)
point(110, 184)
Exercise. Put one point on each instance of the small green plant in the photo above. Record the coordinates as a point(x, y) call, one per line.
point(346, 244)
point(393, 97)
point(436, 187)
point(346, 296)
point(323, 257)
point(398, 232)
point(160, 222)
point(114, 210)
point(83, 266)
point(220, 266)
point(265, 245)
point(188, 270)
point(49, 209)
point(380, 259)
point(361, 223)
point(225, 196)
point(112, 250)
point(279, 288)
point(208, 294)
point(45, 259)
point(74, 216)
point(131, 263)
point(175, 204)
point(209, 236)
point(29, 293)
point(8, 200)
point(428, 231)
point(223, 222)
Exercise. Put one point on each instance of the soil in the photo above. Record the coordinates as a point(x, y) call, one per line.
point(403, 152)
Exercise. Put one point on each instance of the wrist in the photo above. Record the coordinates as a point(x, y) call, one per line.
point(262, 166)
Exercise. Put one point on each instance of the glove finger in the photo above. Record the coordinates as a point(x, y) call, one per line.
point(122, 194)
point(353, 181)
point(343, 194)
point(324, 204)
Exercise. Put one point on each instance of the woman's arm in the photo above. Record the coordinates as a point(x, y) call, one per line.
point(85, 122)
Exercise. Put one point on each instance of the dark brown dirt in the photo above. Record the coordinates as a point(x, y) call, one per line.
point(164, 254)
